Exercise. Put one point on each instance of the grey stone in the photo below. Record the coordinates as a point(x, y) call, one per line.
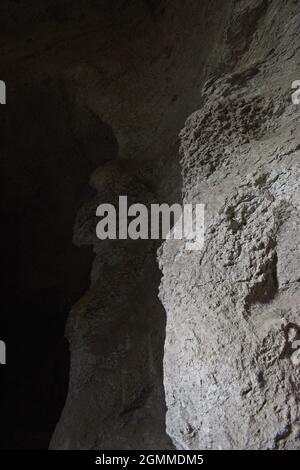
point(231, 373)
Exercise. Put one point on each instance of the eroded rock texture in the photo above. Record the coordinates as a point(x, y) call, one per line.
point(116, 330)
point(153, 61)
point(70, 67)
point(231, 365)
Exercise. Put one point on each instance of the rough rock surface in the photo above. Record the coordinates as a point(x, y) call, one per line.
point(116, 398)
point(231, 365)
point(231, 368)
point(70, 67)
point(147, 80)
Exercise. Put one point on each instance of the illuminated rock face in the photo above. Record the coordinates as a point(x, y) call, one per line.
point(116, 331)
point(69, 68)
point(231, 364)
point(97, 92)
point(230, 356)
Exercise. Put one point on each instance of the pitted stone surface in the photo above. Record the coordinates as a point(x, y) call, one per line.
point(231, 364)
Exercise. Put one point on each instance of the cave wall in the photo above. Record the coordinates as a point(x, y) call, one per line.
point(116, 396)
point(231, 367)
point(79, 73)
point(116, 333)
point(97, 94)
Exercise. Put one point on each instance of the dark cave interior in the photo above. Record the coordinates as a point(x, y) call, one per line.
point(44, 179)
